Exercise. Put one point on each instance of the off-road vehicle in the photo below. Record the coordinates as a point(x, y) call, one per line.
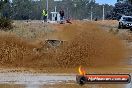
point(125, 22)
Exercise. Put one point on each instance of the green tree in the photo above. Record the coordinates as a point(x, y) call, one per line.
point(21, 9)
point(77, 9)
point(130, 1)
point(2, 2)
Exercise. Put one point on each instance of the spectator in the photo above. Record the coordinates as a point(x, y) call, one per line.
point(45, 14)
point(61, 15)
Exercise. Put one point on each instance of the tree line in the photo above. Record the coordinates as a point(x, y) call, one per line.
point(75, 9)
point(120, 9)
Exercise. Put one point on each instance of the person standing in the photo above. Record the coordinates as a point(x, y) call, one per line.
point(61, 15)
point(45, 14)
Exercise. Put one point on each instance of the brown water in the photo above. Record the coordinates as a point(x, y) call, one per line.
point(40, 80)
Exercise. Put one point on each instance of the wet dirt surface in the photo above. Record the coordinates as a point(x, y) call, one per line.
point(65, 79)
point(53, 80)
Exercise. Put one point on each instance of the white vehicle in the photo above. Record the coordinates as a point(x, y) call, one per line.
point(125, 22)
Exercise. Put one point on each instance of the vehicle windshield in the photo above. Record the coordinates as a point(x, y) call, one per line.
point(127, 19)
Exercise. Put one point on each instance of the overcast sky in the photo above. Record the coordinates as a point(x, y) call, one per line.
point(111, 2)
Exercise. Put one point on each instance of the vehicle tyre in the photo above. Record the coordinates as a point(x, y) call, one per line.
point(82, 80)
point(131, 29)
point(119, 26)
point(122, 26)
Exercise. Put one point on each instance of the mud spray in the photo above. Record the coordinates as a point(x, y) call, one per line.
point(90, 46)
point(85, 45)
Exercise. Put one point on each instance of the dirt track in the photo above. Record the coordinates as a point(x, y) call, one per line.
point(103, 46)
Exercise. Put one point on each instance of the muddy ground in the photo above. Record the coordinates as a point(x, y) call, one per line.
point(83, 43)
point(97, 46)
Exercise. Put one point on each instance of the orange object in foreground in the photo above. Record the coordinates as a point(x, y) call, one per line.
point(81, 71)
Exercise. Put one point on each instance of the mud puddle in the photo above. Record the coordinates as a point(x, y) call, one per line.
point(39, 80)
point(30, 80)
